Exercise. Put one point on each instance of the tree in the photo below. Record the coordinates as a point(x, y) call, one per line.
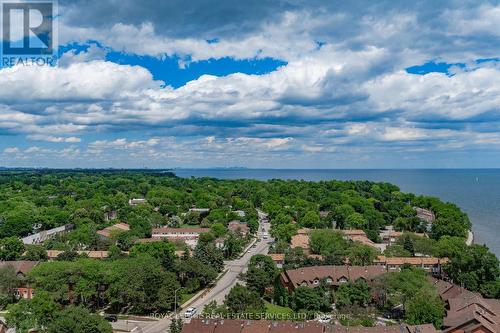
point(408, 245)
point(35, 313)
point(140, 285)
point(232, 246)
point(473, 267)
point(396, 250)
point(361, 255)
point(491, 289)
point(11, 248)
point(356, 221)
point(162, 251)
point(176, 326)
point(76, 319)
point(8, 281)
point(399, 287)
point(425, 307)
point(311, 219)
point(327, 242)
point(209, 255)
point(35, 253)
point(284, 232)
point(261, 273)
point(353, 293)
point(242, 300)
point(308, 299)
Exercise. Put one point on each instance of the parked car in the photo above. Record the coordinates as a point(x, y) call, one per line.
point(190, 312)
point(111, 318)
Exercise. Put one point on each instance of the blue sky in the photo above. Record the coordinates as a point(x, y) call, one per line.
point(322, 84)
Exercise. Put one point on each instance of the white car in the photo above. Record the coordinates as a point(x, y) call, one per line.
point(190, 312)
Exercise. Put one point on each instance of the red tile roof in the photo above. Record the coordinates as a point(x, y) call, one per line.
point(106, 232)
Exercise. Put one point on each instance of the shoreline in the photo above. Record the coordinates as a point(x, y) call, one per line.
point(470, 238)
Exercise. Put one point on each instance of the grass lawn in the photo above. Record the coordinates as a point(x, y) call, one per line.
point(185, 297)
point(278, 311)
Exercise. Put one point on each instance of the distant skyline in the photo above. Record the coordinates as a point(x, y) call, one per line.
point(261, 84)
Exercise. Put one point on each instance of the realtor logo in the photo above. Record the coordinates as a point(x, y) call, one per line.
point(28, 31)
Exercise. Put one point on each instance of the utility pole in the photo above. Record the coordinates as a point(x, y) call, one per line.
point(175, 302)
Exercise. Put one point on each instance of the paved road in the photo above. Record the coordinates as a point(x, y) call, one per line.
point(221, 289)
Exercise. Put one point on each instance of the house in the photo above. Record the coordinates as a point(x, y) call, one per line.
point(136, 201)
point(301, 240)
point(391, 236)
point(53, 254)
point(429, 264)
point(238, 227)
point(45, 235)
point(332, 275)
point(21, 268)
point(468, 312)
point(113, 229)
point(250, 326)
point(356, 235)
point(188, 235)
point(278, 259)
point(24, 292)
point(425, 214)
point(268, 326)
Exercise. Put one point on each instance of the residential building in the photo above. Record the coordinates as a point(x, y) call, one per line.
point(301, 240)
point(188, 235)
point(21, 268)
point(238, 227)
point(115, 228)
point(332, 275)
point(278, 259)
point(429, 264)
point(356, 235)
point(268, 326)
point(390, 236)
point(45, 235)
point(24, 292)
point(468, 312)
point(137, 201)
point(53, 254)
point(425, 214)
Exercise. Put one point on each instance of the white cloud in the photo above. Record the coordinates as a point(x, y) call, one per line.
point(11, 150)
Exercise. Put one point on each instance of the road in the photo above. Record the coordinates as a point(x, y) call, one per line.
point(223, 286)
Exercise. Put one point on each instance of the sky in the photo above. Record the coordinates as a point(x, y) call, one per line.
point(260, 84)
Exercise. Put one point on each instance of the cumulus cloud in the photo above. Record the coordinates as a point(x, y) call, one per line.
point(344, 92)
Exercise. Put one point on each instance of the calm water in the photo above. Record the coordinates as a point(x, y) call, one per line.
point(477, 192)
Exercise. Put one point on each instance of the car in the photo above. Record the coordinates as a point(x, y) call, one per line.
point(111, 318)
point(254, 245)
point(190, 312)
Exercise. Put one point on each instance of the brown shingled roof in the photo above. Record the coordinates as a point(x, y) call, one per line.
point(20, 266)
point(351, 273)
point(266, 326)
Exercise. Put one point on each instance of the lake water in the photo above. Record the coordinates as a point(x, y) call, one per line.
point(476, 191)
